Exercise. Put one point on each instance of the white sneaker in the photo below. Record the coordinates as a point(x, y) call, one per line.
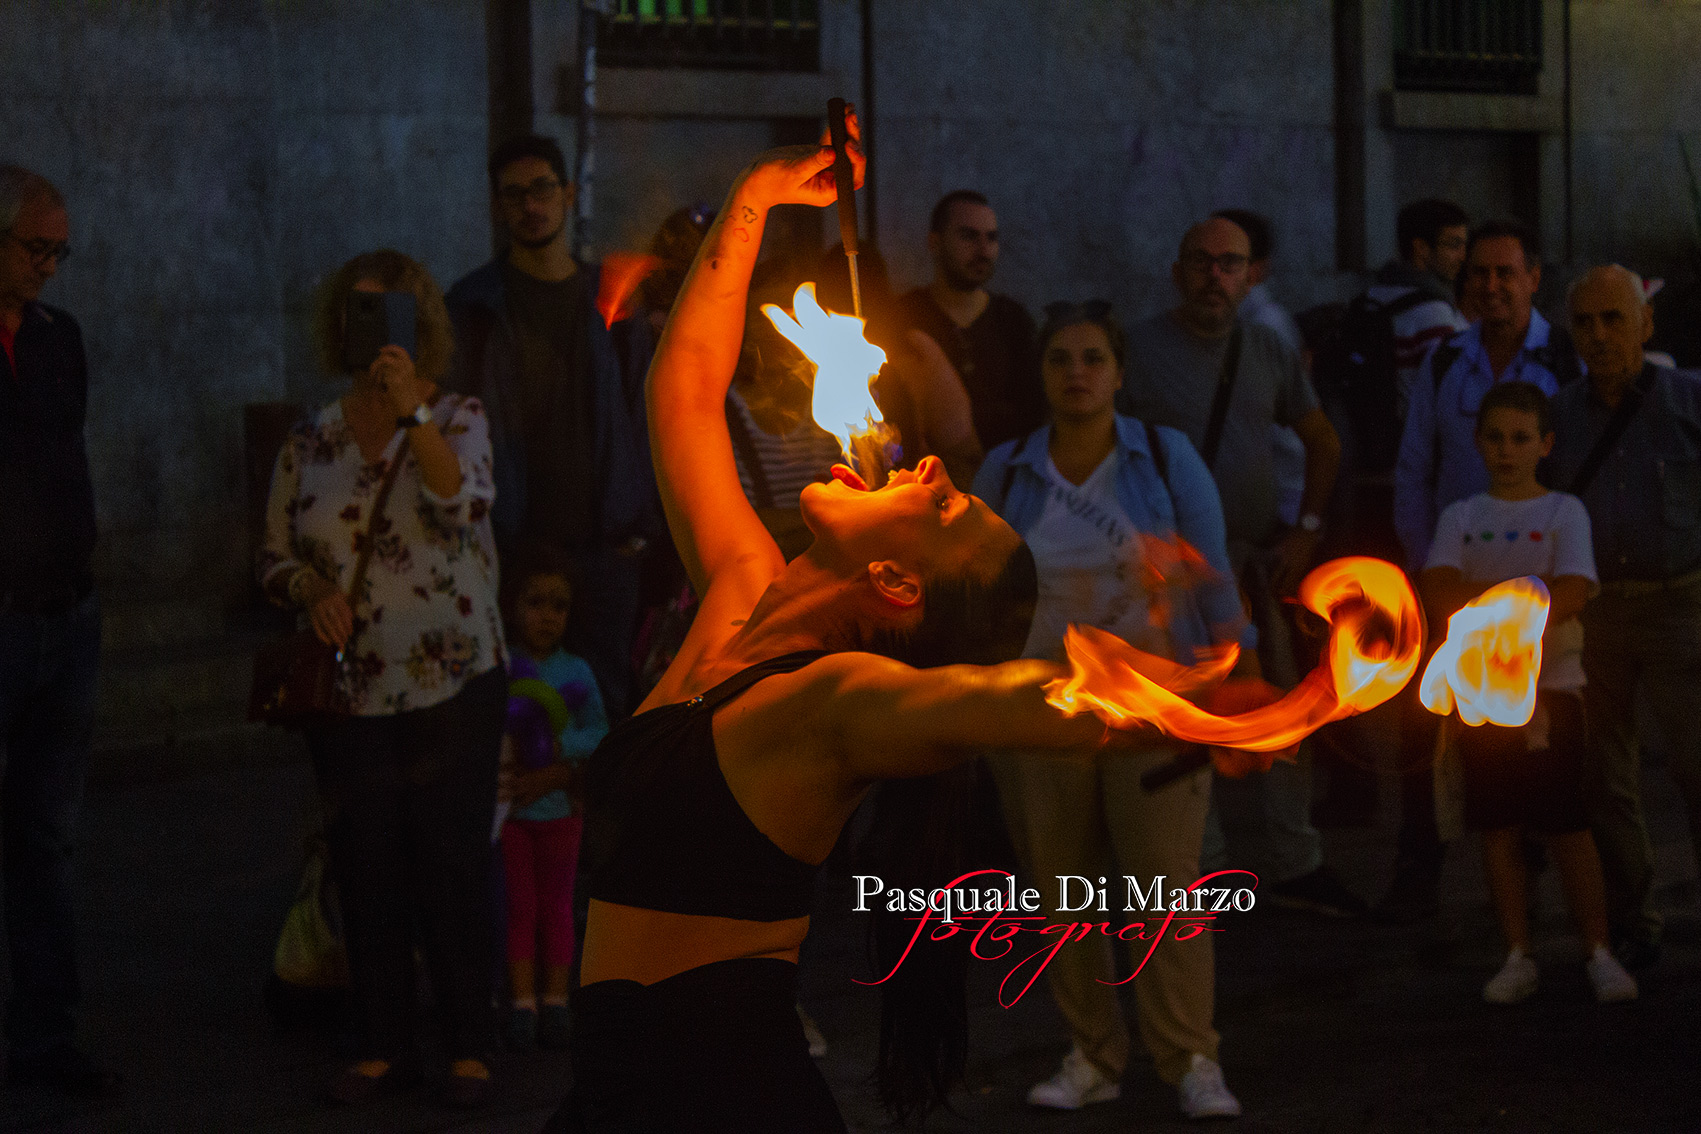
point(812, 1034)
point(1203, 1092)
point(1077, 1084)
point(1611, 982)
point(1514, 983)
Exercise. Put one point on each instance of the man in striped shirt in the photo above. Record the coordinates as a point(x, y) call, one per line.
point(1432, 235)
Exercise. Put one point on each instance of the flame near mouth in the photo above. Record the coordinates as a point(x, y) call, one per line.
point(845, 363)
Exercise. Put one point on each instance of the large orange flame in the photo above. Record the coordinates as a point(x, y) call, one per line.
point(1375, 637)
point(845, 363)
point(622, 272)
point(1489, 664)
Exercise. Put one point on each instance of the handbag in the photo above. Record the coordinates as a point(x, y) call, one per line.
point(300, 678)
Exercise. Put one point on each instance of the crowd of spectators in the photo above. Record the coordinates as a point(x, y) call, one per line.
point(512, 430)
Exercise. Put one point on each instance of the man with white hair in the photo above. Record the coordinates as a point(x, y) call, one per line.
point(1629, 444)
point(49, 634)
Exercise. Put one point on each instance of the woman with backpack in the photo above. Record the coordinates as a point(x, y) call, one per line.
point(1101, 499)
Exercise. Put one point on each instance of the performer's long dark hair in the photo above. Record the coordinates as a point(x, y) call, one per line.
point(920, 837)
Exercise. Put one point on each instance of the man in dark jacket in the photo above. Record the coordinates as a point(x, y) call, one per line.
point(564, 391)
point(49, 635)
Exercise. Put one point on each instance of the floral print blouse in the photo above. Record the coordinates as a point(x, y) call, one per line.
point(426, 620)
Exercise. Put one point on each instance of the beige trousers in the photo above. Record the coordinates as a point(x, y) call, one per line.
point(1086, 814)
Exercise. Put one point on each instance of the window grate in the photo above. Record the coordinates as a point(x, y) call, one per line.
point(1475, 46)
point(738, 35)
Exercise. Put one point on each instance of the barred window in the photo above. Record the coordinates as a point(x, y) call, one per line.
point(1476, 46)
point(741, 35)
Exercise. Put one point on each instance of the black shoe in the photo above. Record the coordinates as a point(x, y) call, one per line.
point(1636, 953)
point(1319, 892)
point(554, 1027)
point(351, 1088)
point(464, 1088)
point(65, 1069)
point(522, 1029)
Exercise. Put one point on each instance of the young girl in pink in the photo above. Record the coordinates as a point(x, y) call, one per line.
point(540, 839)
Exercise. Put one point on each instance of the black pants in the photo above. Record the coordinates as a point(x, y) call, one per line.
point(716, 1048)
point(47, 712)
point(410, 799)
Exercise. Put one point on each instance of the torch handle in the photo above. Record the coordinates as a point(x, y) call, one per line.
point(1183, 763)
point(844, 178)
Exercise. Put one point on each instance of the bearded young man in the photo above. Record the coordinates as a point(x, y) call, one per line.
point(564, 393)
point(987, 337)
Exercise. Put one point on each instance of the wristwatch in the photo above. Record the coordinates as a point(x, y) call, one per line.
point(421, 415)
point(1311, 523)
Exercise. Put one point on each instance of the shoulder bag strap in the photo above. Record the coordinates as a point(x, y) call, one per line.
point(371, 537)
point(1615, 427)
point(1220, 403)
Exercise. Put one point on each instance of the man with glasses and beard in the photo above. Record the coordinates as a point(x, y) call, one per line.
point(49, 635)
point(1225, 382)
point(989, 338)
point(565, 395)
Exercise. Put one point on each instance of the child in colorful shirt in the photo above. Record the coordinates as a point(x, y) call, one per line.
point(1530, 776)
point(540, 839)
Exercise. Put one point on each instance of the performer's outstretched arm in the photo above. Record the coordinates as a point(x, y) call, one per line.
point(891, 721)
point(718, 535)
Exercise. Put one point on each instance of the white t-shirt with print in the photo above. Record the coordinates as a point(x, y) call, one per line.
point(1491, 540)
point(1089, 560)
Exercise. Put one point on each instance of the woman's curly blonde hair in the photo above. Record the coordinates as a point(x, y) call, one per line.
point(434, 339)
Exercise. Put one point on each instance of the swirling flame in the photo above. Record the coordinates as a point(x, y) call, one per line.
point(1375, 639)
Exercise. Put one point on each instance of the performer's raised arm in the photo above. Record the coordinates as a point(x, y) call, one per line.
point(718, 535)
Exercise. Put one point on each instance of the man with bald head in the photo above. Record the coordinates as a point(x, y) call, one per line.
point(49, 634)
point(1225, 382)
point(1629, 444)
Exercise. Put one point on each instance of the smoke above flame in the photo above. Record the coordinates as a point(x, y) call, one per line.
point(1375, 638)
point(1488, 666)
point(845, 363)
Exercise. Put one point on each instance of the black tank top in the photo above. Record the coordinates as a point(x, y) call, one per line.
point(663, 830)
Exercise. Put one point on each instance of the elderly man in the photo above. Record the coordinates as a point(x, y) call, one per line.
point(1225, 382)
point(1629, 444)
point(49, 634)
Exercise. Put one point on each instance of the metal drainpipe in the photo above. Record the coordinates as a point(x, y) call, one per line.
point(1565, 113)
point(871, 223)
point(584, 144)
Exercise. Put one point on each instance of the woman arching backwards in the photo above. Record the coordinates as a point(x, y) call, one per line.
point(795, 691)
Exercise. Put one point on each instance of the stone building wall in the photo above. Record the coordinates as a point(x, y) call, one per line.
point(221, 157)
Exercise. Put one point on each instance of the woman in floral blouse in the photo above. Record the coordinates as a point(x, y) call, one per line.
point(408, 780)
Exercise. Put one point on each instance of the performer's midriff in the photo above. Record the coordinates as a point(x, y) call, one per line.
point(647, 946)
point(679, 876)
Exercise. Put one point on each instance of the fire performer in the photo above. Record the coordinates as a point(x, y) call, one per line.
point(795, 691)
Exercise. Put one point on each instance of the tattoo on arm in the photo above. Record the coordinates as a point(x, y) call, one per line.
point(749, 215)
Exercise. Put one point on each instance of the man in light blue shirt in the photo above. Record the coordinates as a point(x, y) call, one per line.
point(1438, 462)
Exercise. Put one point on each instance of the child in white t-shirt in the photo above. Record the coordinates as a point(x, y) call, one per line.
point(1529, 777)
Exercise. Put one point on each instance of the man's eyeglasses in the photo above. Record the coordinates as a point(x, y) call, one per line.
point(540, 190)
point(42, 251)
point(1229, 263)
